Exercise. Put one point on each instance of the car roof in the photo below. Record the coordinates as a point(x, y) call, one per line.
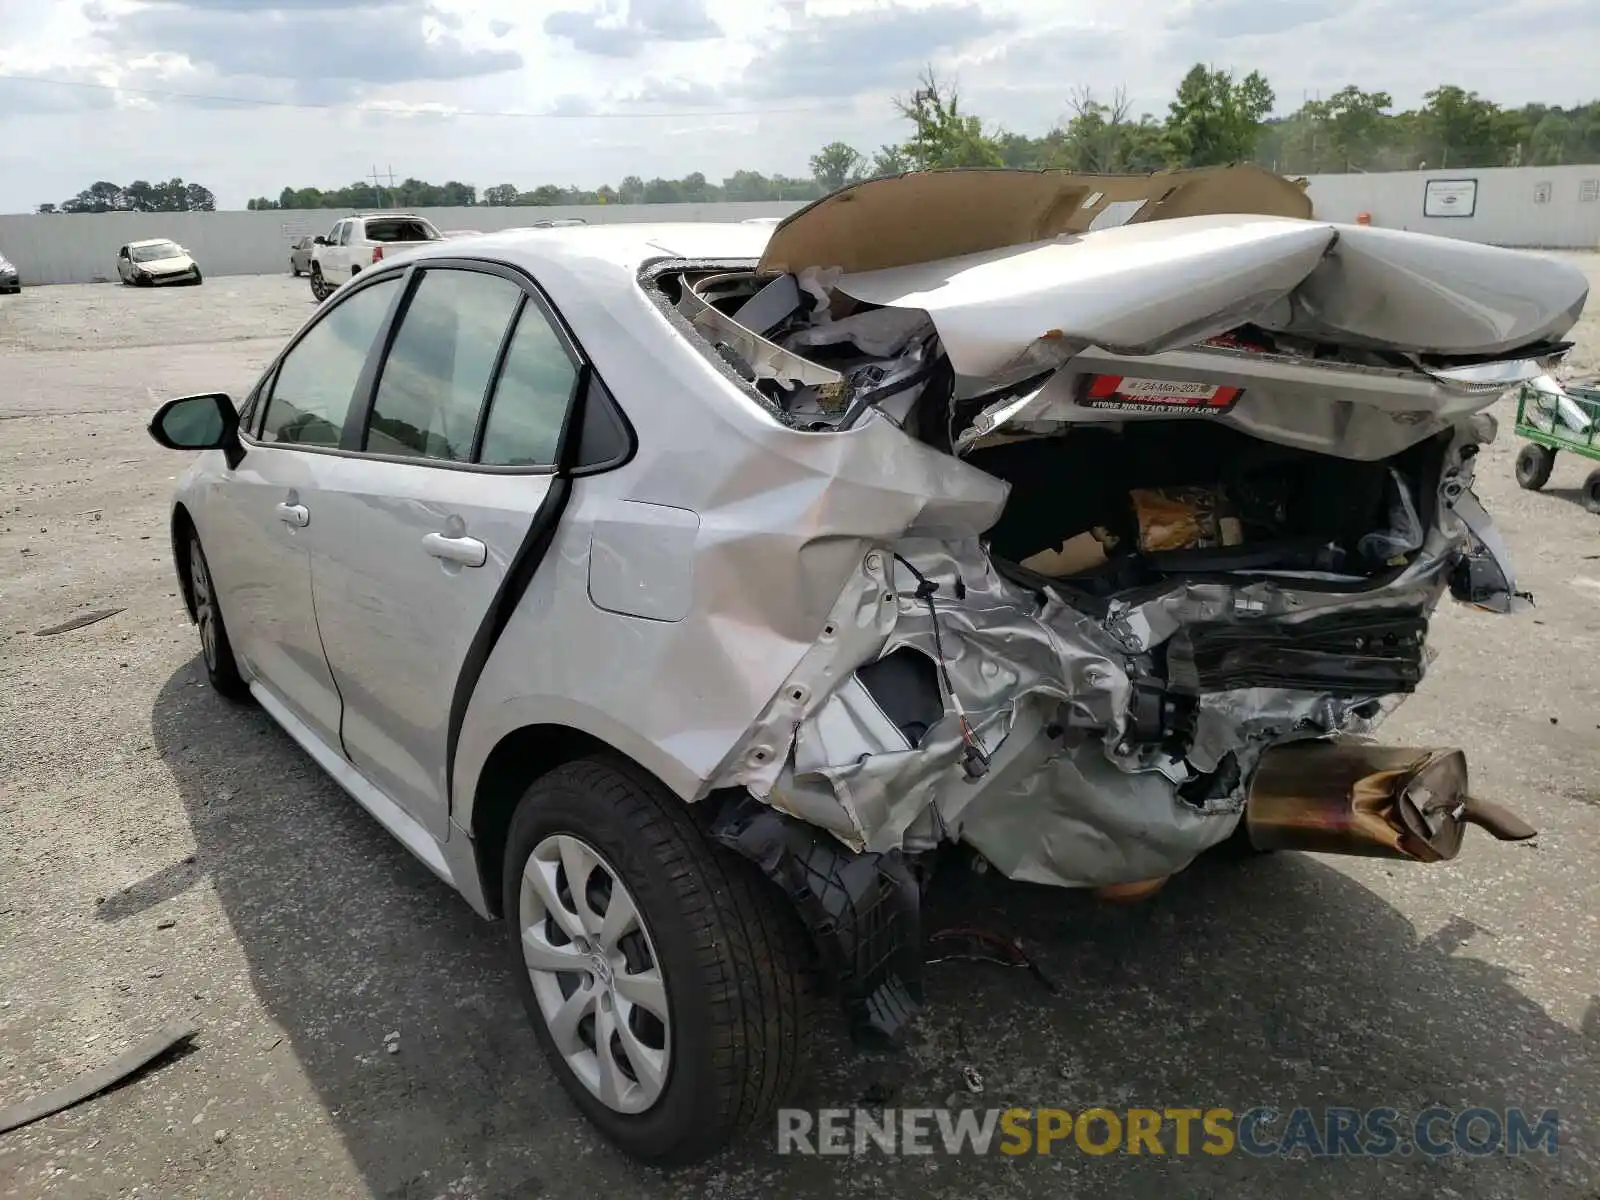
point(618, 249)
point(153, 242)
point(590, 273)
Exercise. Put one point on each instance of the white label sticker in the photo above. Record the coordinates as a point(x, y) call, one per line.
point(1165, 387)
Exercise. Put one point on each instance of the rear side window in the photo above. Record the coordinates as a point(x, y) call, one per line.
point(317, 378)
point(401, 230)
point(531, 397)
point(433, 382)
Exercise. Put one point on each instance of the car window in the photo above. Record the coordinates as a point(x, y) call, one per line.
point(531, 397)
point(432, 384)
point(311, 396)
point(401, 229)
point(345, 230)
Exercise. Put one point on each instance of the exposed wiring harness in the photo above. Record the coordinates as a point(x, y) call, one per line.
point(974, 760)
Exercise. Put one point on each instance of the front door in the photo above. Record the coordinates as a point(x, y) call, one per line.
point(417, 542)
point(267, 519)
point(334, 258)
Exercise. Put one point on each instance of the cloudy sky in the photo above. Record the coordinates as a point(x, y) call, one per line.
point(247, 96)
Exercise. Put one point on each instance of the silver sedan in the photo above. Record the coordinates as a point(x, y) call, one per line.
point(675, 592)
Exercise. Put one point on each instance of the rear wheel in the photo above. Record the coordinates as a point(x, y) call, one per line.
point(669, 984)
point(294, 270)
point(1534, 464)
point(215, 648)
point(1591, 492)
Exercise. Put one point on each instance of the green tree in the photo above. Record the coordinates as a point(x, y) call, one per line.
point(102, 196)
point(944, 136)
point(748, 185)
point(1462, 129)
point(1215, 119)
point(889, 160)
point(501, 194)
point(835, 165)
point(663, 191)
point(1100, 138)
point(696, 189)
point(1356, 122)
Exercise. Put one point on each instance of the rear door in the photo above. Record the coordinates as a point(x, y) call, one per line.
point(262, 521)
point(419, 528)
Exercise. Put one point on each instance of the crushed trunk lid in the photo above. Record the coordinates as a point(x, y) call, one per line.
point(1148, 288)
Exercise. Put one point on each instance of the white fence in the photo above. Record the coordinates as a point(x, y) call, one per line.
point(1555, 208)
point(1544, 207)
point(82, 247)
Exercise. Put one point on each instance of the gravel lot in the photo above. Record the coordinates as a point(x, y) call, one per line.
point(168, 856)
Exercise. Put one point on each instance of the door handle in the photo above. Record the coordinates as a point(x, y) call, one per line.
point(297, 515)
point(469, 552)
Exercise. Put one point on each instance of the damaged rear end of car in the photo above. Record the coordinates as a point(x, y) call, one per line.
point(1213, 472)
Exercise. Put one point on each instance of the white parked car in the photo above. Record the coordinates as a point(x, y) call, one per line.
point(359, 241)
point(156, 260)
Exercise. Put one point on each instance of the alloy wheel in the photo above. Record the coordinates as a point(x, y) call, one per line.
point(205, 611)
point(595, 973)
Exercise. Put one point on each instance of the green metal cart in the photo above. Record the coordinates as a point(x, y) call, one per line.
point(1556, 416)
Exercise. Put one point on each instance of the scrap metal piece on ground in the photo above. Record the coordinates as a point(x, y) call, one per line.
point(78, 622)
point(135, 1057)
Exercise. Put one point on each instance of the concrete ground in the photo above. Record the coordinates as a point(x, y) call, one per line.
point(165, 855)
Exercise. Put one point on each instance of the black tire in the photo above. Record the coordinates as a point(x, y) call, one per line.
point(319, 285)
point(198, 278)
point(294, 270)
point(216, 651)
point(1534, 464)
point(738, 973)
point(1591, 491)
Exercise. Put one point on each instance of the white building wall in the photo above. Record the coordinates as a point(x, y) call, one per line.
point(1545, 207)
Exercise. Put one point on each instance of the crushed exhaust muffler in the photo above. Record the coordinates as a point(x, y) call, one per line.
point(1344, 796)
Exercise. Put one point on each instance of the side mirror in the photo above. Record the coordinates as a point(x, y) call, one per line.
point(204, 422)
point(319, 240)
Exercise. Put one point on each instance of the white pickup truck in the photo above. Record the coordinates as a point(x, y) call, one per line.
point(359, 241)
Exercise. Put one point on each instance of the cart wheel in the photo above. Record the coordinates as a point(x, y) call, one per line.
point(1534, 464)
point(1591, 492)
